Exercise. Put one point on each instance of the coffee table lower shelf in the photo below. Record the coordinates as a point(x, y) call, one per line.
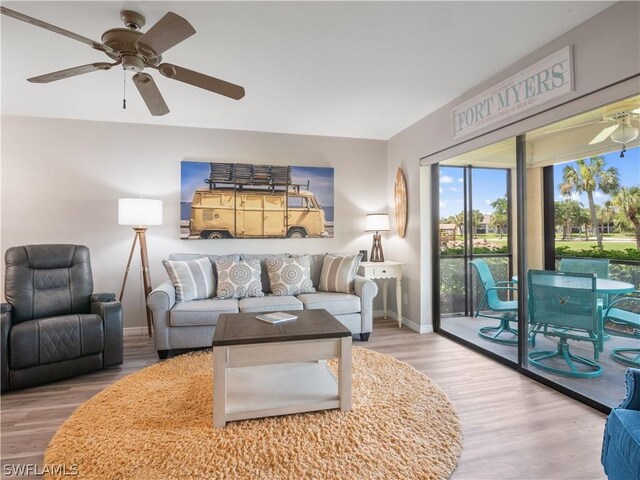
point(269, 390)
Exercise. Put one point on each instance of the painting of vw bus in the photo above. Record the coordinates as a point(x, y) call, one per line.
point(240, 200)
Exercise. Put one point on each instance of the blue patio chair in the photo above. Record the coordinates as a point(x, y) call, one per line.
point(564, 306)
point(622, 319)
point(505, 311)
point(599, 266)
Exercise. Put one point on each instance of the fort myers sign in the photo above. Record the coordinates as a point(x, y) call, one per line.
point(547, 79)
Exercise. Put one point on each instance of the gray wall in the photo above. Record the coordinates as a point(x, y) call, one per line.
point(61, 180)
point(606, 50)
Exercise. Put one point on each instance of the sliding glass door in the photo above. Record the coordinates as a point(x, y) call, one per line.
point(590, 181)
point(475, 236)
point(549, 206)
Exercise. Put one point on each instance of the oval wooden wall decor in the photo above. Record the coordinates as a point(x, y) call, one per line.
point(401, 203)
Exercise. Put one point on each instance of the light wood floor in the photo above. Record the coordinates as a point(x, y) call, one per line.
point(514, 428)
point(607, 388)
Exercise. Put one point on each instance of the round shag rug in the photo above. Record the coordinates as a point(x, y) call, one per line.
point(157, 424)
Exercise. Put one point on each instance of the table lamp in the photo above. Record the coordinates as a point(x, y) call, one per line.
point(140, 213)
point(377, 222)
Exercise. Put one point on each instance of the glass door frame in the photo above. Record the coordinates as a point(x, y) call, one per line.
point(521, 250)
point(468, 253)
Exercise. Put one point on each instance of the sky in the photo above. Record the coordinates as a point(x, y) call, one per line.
point(628, 173)
point(490, 184)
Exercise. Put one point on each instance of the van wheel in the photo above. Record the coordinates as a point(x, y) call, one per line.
point(216, 235)
point(296, 233)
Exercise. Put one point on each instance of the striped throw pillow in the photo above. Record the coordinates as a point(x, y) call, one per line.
point(338, 273)
point(192, 279)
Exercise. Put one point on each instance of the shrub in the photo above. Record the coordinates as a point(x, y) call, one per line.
point(632, 254)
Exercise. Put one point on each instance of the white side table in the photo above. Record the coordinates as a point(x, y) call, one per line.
point(385, 271)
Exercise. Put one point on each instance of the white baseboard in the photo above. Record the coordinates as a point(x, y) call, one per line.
point(135, 331)
point(405, 321)
point(142, 330)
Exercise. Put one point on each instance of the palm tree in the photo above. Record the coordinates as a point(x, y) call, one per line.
point(476, 217)
point(567, 214)
point(499, 216)
point(606, 214)
point(458, 221)
point(628, 201)
point(584, 219)
point(589, 177)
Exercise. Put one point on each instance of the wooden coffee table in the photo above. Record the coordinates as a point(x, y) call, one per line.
point(263, 369)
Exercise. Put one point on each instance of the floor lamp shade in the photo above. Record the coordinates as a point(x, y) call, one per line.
point(377, 222)
point(139, 211)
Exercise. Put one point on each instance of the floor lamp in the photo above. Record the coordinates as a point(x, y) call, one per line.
point(377, 222)
point(140, 213)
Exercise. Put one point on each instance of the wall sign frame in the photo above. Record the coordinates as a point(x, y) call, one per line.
point(543, 81)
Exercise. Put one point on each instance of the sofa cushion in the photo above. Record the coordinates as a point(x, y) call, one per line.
point(271, 303)
point(192, 279)
point(55, 339)
point(239, 279)
point(624, 428)
point(289, 276)
point(200, 312)
point(338, 273)
point(334, 303)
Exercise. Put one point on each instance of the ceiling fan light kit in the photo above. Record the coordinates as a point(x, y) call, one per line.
point(622, 131)
point(625, 132)
point(135, 51)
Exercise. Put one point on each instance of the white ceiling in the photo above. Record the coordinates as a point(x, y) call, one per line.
point(350, 69)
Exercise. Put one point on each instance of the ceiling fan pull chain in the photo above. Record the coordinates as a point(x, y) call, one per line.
point(124, 89)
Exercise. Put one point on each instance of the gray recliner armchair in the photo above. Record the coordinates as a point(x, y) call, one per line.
point(53, 325)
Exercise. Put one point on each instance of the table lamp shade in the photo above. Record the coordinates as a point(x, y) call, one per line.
point(377, 222)
point(139, 211)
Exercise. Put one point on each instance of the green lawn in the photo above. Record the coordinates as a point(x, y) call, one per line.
point(578, 244)
point(582, 245)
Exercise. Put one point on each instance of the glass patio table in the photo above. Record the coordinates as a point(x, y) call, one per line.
point(606, 286)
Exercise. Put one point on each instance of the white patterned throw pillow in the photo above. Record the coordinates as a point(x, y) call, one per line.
point(290, 276)
point(338, 273)
point(192, 279)
point(238, 278)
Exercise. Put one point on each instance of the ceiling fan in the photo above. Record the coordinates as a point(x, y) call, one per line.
point(619, 118)
point(136, 51)
point(621, 131)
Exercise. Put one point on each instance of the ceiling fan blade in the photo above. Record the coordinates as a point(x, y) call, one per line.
point(201, 80)
point(150, 94)
point(168, 32)
point(71, 72)
point(604, 134)
point(53, 28)
point(562, 129)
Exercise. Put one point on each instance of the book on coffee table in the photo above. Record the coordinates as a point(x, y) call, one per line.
point(276, 317)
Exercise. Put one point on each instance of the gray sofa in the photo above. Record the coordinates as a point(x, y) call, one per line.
point(189, 325)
